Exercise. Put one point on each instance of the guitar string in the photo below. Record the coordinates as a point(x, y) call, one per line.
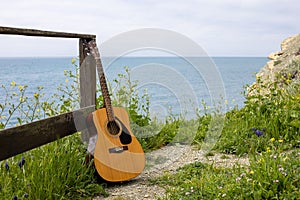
point(113, 126)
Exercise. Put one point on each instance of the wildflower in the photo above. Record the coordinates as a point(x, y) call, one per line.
point(73, 61)
point(251, 172)
point(36, 95)
point(238, 179)
point(242, 174)
point(258, 133)
point(224, 195)
point(6, 166)
point(272, 139)
point(26, 195)
point(67, 80)
point(268, 150)
point(13, 83)
point(280, 169)
point(260, 160)
point(284, 173)
point(192, 189)
point(187, 193)
point(22, 162)
point(15, 198)
point(280, 140)
point(20, 87)
point(276, 181)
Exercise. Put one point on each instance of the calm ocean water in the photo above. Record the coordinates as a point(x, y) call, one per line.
point(48, 72)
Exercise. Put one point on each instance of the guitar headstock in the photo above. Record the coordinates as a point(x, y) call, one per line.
point(92, 45)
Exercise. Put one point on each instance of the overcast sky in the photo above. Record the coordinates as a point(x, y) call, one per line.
point(221, 27)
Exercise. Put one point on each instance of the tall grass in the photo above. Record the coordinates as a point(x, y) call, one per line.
point(54, 171)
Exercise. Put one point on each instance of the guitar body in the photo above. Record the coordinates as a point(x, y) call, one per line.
point(117, 157)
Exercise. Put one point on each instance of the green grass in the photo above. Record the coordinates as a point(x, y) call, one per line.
point(55, 171)
point(271, 175)
point(276, 115)
point(267, 130)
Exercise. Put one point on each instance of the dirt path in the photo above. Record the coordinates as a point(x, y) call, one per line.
point(166, 159)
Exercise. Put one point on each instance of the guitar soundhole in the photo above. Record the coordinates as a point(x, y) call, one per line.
point(113, 128)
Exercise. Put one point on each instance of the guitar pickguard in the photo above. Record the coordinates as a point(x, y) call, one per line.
point(125, 137)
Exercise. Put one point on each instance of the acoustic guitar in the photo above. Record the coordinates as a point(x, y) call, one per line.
point(118, 155)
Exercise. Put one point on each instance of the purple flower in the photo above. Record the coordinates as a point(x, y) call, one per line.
point(26, 195)
point(15, 198)
point(22, 162)
point(6, 166)
point(258, 133)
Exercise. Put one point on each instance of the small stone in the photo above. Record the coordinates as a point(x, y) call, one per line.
point(146, 196)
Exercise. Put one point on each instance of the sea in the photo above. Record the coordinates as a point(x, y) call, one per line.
point(172, 83)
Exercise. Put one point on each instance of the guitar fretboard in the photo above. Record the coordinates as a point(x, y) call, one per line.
point(102, 79)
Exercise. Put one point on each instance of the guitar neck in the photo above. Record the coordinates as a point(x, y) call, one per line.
point(103, 85)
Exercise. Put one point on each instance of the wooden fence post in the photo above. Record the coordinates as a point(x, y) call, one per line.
point(87, 80)
point(87, 76)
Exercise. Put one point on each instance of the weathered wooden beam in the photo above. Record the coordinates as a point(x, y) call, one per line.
point(26, 137)
point(42, 33)
point(87, 77)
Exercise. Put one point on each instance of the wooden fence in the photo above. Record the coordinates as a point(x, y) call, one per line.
point(25, 137)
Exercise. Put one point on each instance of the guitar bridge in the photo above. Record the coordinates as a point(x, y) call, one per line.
point(118, 149)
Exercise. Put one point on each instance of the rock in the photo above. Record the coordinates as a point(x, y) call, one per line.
point(283, 68)
point(274, 56)
point(287, 42)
